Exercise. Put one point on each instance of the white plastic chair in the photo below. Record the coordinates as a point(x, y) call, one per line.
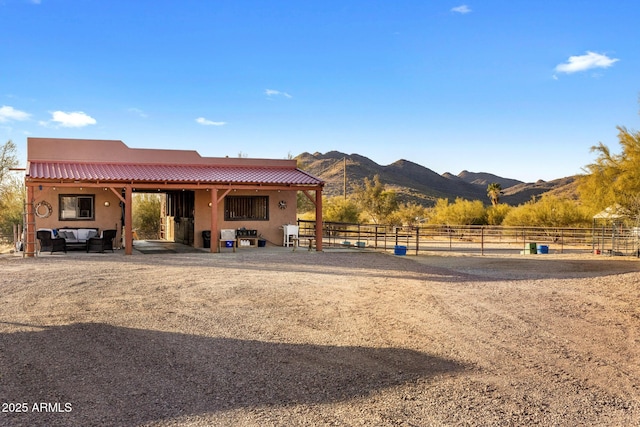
point(290, 235)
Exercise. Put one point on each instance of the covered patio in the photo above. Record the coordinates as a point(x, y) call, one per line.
point(90, 183)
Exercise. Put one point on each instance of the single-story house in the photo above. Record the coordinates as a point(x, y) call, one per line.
point(88, 184)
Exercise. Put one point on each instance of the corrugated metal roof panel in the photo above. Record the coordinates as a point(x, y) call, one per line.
point(169, 173)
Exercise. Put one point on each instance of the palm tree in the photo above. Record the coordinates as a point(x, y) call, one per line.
point(494, 190)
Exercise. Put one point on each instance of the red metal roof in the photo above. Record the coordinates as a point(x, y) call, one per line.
point(210, 174)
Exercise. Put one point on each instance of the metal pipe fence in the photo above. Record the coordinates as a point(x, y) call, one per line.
point(477, 239)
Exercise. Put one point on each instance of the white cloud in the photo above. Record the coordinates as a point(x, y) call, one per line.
point(206, 122)
point(8, 113)
point(585, 62)
point(138, 112)
point(461, 9)
point(272, 92)
point(75, 119)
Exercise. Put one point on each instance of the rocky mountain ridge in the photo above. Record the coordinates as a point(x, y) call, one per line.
point(418, 184)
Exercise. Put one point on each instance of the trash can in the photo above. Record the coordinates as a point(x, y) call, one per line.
point(206, 238)
point(543, 249)
point(262, 243)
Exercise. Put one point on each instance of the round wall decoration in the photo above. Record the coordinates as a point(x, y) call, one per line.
point(282, 204)
point(43, 209)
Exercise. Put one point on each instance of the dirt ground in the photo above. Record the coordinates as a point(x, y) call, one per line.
point(275, 337)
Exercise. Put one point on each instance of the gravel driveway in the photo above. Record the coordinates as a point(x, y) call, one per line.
point(274, 337)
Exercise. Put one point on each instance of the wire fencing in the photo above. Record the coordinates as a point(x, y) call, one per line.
point(477, 239)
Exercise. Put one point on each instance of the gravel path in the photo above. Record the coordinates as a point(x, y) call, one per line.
point(272, 337)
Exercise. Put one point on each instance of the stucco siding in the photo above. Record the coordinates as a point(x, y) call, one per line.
point(271, 230)
point(105, 217)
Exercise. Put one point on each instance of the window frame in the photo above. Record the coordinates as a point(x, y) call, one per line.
point(248, 206)
point(78, 210)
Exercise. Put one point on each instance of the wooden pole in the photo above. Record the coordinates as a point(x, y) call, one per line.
point(344, 177)
point(215, 242)
point(128, 219)
point(319, 219)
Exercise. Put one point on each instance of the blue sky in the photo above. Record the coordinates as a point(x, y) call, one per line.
point(521, 89)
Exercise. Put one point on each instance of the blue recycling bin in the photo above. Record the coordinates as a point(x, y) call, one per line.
point(400, 250)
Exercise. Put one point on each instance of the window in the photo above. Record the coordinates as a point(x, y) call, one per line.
point(74, 207)
point(238, 208)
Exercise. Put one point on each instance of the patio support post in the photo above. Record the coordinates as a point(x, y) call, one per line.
point(128, 232)
point(214, 220)
point(30, 234)
point(319, 219)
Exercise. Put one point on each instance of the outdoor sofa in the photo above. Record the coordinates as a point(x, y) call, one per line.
point(65, 238)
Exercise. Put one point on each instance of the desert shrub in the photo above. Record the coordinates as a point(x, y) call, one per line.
point(146, 215)
point(339, 209)
point(548, 211)
point(408, 214)
point(497, 213)
point(461, 212)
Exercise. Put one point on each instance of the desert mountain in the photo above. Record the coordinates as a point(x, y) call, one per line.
point(485, 179)
point(416, 183)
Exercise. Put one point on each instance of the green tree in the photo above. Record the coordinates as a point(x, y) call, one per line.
point(374, 200)
point(548, 211)
point(339, 209)
point(461, 212)
point(11, 190)
point(408, 214)
point(613, 178)
point(497, 213)
point(494, 190)
point(11, 205)
point(146, 215)
point(304, 204)
point(8, 160)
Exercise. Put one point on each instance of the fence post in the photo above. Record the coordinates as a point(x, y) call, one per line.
point(385, 237)
point(417, 239)
point(613, 238)
point(482, 240)
point(375, 236)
